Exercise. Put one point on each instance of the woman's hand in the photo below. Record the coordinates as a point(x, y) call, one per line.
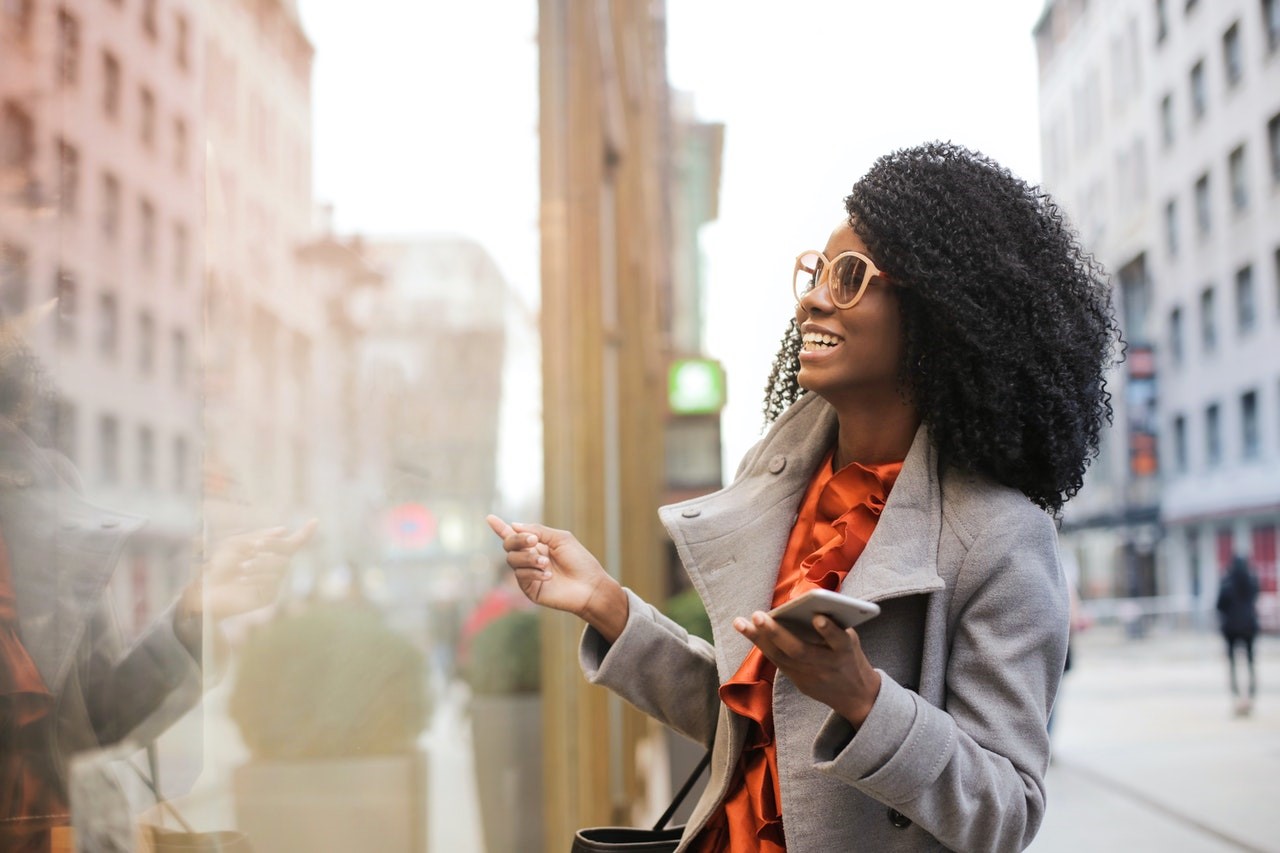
point(554, 570)
point(244, 572)
point(836, 672)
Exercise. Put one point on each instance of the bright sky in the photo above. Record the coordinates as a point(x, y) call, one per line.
point(426, 119)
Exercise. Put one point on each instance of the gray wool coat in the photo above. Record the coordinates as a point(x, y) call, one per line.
point(970, 645)
point(63, 551)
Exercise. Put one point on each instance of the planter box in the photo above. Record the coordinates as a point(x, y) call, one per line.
point(377, 803)
point(506, 736)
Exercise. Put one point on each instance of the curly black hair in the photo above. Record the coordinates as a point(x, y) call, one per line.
point(1008, 326)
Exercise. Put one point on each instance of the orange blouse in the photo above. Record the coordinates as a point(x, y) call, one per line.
point(837, 517)
point(29, 796)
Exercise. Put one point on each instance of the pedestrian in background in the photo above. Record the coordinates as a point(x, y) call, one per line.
point(1238, 620)
point(937, 396)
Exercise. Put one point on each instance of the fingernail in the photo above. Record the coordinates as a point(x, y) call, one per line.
point(758, 618)
point(542, 561)
point(546, 575)
point(740, 624)
point(819, 621)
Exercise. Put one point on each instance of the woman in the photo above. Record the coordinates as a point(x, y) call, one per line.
point(952, 339)
point(1238, 620)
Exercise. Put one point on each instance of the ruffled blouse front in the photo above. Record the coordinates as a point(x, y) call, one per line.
point(837, 517)
point(28, 793)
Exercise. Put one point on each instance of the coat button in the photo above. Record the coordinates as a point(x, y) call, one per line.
point(776, 464)
point(898, 819)
point(691, 513)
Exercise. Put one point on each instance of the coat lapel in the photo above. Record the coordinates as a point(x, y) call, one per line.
point(901, 558)
point(731, 542)
point(62, 549)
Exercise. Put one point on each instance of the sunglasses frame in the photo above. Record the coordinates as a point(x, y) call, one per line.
point(871, 271)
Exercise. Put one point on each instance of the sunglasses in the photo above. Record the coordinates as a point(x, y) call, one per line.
point(847, 280)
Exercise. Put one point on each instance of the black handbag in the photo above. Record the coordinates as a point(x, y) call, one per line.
point(660, 839)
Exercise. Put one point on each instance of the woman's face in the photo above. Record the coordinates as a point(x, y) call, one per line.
point(850, 354)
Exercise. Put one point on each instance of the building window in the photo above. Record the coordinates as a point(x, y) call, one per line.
point(68, 178)
point(181, 254)
point(108, 325)
point(146, 343)
point(68, 55)
point(1273, 143)
point(1232, 58)
point(17, 141)
point(110, 84)
point(1246, 308)
point(1208, 324)
point(1171, 226)
point(1204, 218)
point(21, 15)
point(181, 39)
point(1212, 436)
point(14, 279)
point(1166, 120)
point(179, 144)
point(180, 464)
point(64, 289)
point(1239, 179)
point(1175, 335)
point(146, 456)
point(1162, 21)
point(147, 232)
point(179, 344)
point(1180, 444)
point(1250, 438)
point(1271, 16)
point(110, 206)
point(150, 19)
point(1263, 539)
point(108, 450)
point(1199, 92)
point(147, 117)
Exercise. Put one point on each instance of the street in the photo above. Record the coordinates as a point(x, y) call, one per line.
point(1149, 755)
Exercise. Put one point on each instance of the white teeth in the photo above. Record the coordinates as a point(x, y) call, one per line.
point(819, 339)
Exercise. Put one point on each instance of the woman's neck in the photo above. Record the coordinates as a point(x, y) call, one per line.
point(873, 435)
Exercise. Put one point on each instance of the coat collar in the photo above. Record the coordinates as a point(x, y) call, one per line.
point(732, 541)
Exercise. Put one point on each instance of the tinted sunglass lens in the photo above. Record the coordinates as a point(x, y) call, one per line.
point(846, 279)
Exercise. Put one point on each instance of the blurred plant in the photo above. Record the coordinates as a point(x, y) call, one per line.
point(333, 680)
point(505, 656)
point(686, 610)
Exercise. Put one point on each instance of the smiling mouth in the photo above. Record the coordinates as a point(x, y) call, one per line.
point(818, 342)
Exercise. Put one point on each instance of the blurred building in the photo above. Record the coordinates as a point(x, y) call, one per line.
point(1161, 137)
point(101, 206)
point(289, 423)
point(435, 346)
point(695, 384)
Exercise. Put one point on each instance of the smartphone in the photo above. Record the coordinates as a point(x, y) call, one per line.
point(797, 614)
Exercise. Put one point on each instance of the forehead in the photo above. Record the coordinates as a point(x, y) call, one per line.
point(844, 239)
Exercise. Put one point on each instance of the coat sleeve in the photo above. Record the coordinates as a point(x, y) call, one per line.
point(140, 690)
point(972, 774)
point(658, 667)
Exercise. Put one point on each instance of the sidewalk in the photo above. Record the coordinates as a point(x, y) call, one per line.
point(1149, 756)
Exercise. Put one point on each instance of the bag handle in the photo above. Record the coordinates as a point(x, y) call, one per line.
point(683, 792)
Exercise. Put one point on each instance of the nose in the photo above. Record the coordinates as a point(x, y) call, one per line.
point(817, 300)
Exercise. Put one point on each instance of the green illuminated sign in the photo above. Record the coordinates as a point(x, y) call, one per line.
point(695, 386)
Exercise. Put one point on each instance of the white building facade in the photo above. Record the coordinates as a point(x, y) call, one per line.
point(1160, 124)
